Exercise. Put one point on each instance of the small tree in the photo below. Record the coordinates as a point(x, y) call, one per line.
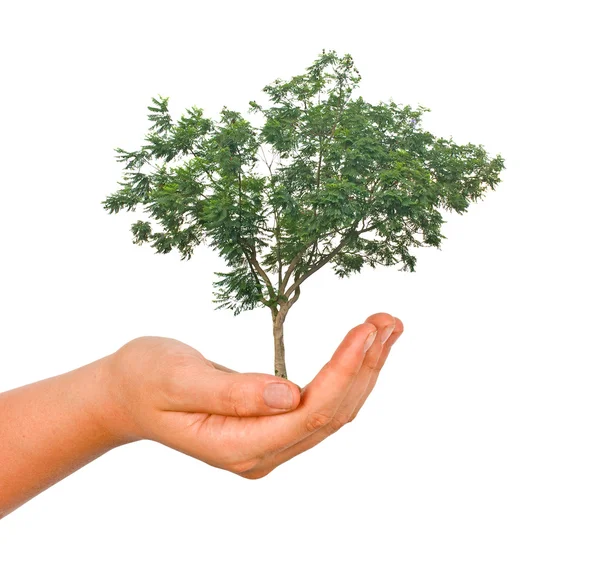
point(348, 184)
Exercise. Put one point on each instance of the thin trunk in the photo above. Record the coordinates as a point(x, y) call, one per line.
point(278, 317)
point(280, 369)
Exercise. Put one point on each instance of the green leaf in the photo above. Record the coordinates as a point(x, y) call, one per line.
point(328, 178)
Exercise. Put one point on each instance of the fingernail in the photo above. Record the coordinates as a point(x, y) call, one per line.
point(278, 395)
point(401, 332)
point(369, 341)
point(386, 334)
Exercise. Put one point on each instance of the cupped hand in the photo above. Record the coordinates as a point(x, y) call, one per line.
point(168, 392)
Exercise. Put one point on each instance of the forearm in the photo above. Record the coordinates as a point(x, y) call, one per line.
point(51, 428)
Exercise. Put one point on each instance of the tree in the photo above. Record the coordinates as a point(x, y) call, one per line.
point(348, 184)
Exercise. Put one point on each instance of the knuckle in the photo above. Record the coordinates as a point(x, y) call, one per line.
point(243, 467)
point(348, 418)
point(337, 422)
point(256, 473)
point(316, 421)
point(372, 367)
point(237, 400)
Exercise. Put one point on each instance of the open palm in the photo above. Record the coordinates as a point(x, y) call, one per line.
point(174, 395)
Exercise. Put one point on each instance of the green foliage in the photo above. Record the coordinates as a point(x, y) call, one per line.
point(346, 182)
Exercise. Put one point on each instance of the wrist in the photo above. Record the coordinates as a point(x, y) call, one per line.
point(52, 427)
point(106, 405)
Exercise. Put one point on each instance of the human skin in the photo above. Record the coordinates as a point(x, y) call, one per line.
point(163, 390)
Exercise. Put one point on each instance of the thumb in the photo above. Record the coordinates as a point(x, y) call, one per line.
point(242, 395)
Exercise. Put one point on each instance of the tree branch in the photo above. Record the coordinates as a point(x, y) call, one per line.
point(298, 257)
point(254, 262)
point(251, 257)
point(295, 297)
point(265, 161)
point(313, 252)
point(262, 298)
point(329, 256)
point(287, 306)
point(277, 238)
point(318, 265)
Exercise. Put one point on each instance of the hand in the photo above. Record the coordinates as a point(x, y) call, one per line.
point(168, 392)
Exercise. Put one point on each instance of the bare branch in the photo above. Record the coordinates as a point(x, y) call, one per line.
point(277, 238)
point(317, 266)
point(324, 259)
point(313, 252)
point(287, 306)
point(262, 298)
point(298, 257)
point(254, 262)
point(265, 161)
point(295, 297)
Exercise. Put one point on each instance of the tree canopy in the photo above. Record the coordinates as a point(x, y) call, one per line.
point(344, 182)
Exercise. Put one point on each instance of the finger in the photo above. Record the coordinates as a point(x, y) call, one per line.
point(213, 391)
point(385, 324)
point(320, 399)
point(387, 346)
point(363, 383)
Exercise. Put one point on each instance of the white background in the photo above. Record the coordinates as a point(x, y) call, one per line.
point(476, 459)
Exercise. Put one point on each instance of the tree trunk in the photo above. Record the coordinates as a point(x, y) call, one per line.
point(278, 320)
